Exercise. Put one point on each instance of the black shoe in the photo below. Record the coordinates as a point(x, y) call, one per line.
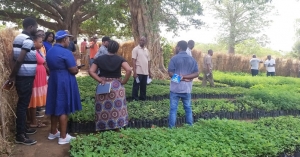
point(30, 131)
point(39, 115)
point(21, 139)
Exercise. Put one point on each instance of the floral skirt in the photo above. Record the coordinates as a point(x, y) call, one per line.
point(111, 109)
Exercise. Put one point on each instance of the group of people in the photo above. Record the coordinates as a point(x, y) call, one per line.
point(37, 56)
point(269, 64)
point(44, 72)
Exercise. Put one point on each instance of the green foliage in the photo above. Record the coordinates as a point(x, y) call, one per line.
point(167, 49)
point(260, 92)
point(284, 131)
point(218, 47)
point(247, 48)
point(280, 91)
point(296, 50)
point(295, 53)
point(87, 87)
point(2, 27)
point(266, 137)
point(246, 80)
point(189, 10)
point(297, 28)
point(240, 21)
point(249, 1)
point(112, 19)
point(86, 114)
point(52, 14)
point(251, 46)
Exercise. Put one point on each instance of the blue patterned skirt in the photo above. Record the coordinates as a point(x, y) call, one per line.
point(111, 108)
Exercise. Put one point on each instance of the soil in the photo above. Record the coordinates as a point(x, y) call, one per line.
point(43, 147)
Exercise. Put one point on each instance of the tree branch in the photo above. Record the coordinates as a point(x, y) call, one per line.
point(77, 4)
point(13, 16)
point(44, 5)
point(57, 7)
point(45, 12)
point(85, 17)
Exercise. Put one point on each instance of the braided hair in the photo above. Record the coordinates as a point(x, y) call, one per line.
point(113, 46)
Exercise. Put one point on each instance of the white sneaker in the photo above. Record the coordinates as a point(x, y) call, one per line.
point(66, 140)
point(54, 136)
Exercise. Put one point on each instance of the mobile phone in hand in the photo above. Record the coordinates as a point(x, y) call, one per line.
point(8, 85)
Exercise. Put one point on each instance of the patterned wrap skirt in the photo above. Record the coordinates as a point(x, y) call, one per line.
point(111, 108)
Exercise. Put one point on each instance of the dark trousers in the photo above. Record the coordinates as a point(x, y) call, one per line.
point(142, 86)
point(254, 72)
point(270, 73)
point(24, 87)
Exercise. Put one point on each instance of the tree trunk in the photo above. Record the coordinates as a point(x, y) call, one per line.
point(232, 37)
point(231, 49)
point(144, 24)
point(72, 25)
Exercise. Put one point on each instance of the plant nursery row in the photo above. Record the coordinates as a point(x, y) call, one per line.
point(270, 137)
point(145, 114)
point(87, 87)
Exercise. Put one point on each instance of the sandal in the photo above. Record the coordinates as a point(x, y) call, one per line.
point(39, 125)
point(29, 122)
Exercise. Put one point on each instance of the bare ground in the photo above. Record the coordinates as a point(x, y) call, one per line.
point(43, 147)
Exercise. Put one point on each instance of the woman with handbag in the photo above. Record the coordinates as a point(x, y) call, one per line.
point(110, 108)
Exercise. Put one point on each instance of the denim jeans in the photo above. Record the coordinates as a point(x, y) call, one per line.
point(24, 87)
point(186, 100)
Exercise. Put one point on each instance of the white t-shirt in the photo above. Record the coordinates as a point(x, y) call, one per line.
point(189, 52)
point(254, 62)
point(271, 62)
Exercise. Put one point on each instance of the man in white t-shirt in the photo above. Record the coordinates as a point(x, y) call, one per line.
point(254, 63)
point(270, 66)
point(190, 47)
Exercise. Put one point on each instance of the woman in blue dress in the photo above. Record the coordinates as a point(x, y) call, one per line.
point(63, 94)
point(48, 41)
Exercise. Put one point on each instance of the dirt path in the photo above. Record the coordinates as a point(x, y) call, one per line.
point(43, 147)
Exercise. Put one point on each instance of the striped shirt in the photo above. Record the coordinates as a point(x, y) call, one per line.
point(24, 41)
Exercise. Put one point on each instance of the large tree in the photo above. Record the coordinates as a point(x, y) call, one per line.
point(149, 15)
point(296, 48)
point(52, 14)
point(113, 17)
point(240, 20)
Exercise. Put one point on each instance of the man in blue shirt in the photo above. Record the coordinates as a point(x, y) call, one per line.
point(185, 66)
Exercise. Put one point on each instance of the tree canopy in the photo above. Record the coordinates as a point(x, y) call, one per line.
point(99, 16)
point(52, 14)
point(240, 21)
point(112, 18)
